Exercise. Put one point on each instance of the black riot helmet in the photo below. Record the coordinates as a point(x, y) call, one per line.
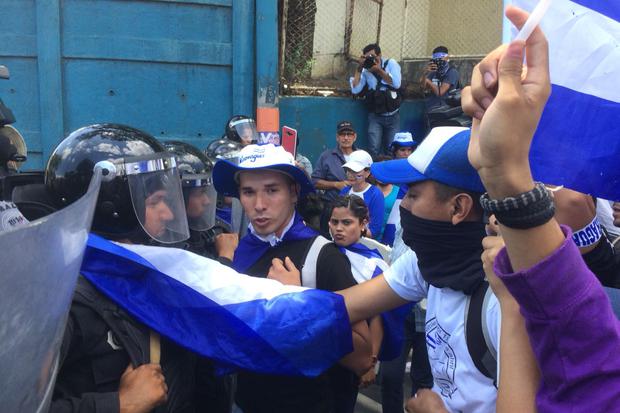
point(198, 191)
point(224, 149)
point(140, 195)
point(241, 129)
point(213, 145)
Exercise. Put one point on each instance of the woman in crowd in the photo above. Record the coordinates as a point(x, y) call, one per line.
point(347, 224)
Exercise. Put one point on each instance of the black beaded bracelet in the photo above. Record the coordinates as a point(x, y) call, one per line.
point(527, 210)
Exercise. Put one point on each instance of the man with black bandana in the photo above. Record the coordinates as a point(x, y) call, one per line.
point(439, 78)
point(442, 224)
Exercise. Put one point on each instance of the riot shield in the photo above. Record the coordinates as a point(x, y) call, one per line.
point(40, 263)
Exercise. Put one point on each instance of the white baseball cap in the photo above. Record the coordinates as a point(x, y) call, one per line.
point(269, 156)
point(358, 161)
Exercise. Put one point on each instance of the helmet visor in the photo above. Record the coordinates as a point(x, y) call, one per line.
point(246, 130)
point(157, 198)
point(200, 201)
point(238, 220)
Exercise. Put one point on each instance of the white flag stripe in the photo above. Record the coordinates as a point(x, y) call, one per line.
point(584, 48)
point(215, 281)
point(362, 267)
point(426, 151)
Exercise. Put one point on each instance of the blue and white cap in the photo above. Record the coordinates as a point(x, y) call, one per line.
point(403, 139)
point(254, 157)
point(441, 157)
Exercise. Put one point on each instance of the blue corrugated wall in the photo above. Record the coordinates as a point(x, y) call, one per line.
point(177, 69)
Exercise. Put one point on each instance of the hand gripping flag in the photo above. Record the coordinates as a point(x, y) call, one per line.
point(367, 263)
point(240, 322)
point(577, 143)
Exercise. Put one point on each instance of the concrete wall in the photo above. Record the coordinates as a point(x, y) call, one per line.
point(409, 29)
point(465, 27)
point(315, 119)
point(328, 41)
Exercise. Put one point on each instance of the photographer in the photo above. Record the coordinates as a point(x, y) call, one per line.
point(379, 81)
point(439, 78)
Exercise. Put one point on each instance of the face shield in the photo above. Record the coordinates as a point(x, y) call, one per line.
point(157, 198)
point(239, 221)
point(200, 200)
point(246, 129)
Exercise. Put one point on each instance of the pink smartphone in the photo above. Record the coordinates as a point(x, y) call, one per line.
point(289, 140)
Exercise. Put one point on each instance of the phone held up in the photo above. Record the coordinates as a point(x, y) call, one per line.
point(289, 140)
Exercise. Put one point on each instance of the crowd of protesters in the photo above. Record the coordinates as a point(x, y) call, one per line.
point(441, 246)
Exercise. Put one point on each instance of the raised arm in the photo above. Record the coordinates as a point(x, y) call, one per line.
point(502, 132)
point(540, 267)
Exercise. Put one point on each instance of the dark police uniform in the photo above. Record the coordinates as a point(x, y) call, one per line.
point(100, 341)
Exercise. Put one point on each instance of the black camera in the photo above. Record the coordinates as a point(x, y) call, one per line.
point(369, 61)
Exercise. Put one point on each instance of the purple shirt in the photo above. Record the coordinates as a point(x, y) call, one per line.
point(573, 330)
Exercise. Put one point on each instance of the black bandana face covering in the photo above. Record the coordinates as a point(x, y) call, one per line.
point(448, 255)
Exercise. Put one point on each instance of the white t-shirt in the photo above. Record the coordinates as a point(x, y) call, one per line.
point(456, 379)
point(361, 193)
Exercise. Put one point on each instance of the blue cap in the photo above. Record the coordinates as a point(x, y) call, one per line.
point(441, 157)
point(255, 157)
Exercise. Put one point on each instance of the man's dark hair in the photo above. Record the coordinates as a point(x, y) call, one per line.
point(445, 192)
point(310, 209)
point(372, 46)
point(440, 49)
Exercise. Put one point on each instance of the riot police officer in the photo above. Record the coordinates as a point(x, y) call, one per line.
point(108, 360)
point(206, 232)
point(241, 129)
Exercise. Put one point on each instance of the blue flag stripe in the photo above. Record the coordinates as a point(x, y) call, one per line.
point(582, 155)
point(292, 334)
point(610, 8)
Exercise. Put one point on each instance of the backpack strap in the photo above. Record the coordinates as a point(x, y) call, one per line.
point(477, 334)
point(379, 79)
point(308, 270)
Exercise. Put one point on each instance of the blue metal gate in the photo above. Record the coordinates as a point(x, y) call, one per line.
point(175, 68)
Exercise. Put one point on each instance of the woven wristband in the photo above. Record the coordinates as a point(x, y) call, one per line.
point(527, 210)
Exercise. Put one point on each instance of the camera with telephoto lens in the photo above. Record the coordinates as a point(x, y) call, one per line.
point(369, 61)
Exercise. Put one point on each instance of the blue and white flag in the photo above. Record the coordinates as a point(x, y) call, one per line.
point(367, 263)
point(389, 232)
point(240, 322)
point(577, 143)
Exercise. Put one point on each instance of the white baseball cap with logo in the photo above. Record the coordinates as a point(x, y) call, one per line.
point(358, 161)
point(256, 157)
